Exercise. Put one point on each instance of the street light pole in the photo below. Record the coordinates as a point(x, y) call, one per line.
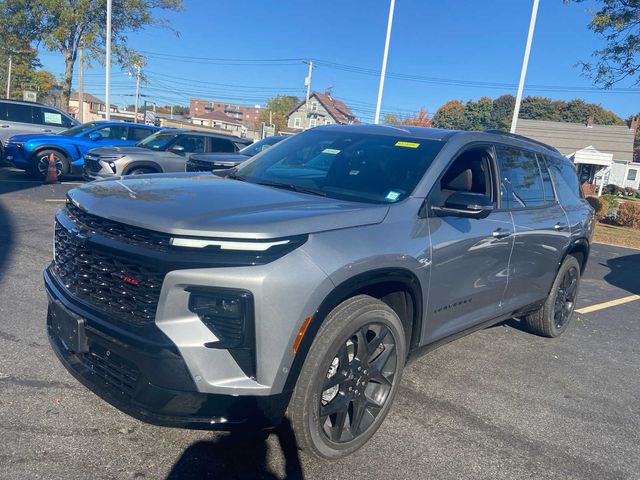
point(384, 62)
point(307, 83)
point(525, 63)
point(108, 64)
point(9, 77)
point(135, 108)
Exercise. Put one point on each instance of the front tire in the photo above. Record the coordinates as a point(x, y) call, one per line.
point(40, 163)
point(349, 378)
point(553, 318)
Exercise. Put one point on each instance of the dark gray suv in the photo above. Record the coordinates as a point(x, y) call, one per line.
point(301, 282)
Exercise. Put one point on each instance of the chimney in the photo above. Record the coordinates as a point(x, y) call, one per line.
point(590, 121)
point(634, 124)
point(327, 92)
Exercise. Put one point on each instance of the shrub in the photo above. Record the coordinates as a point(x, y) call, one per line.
point(611, 189)
point(600, 205)
point(629, 215)
point(612, 204)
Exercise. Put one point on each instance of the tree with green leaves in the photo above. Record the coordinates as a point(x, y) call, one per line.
point(502, 112)
point(618, 22)
point(477, 115)
point(67, 25)
point(450, 115)
point(417, 119)
point(278, 107)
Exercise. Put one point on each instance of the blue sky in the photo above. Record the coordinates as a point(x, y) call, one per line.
point(460, 49)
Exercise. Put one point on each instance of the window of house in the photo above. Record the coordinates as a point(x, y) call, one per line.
point(632, 174)
point(520, 179)
point(312, 123)
point(296, 122)
point(314, 106)
point(327, 122)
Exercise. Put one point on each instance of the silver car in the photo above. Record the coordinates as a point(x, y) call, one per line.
point(165, 151)
point(301, 282)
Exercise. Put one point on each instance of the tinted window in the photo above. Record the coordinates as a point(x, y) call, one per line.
point(549, 196)
point(344, 165)
point(259, 146)
point(158, 141)
point(564, 176)
point(221, 145)
point(17, 112)
point(112, 132)
point(520, 180)
point(78, 129)
point(138, 133)
point(190, 143)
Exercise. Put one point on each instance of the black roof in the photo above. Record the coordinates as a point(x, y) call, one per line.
point(27, 102)
point(429, 133)
point(208, 134)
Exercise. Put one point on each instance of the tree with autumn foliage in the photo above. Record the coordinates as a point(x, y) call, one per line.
point(417, 119)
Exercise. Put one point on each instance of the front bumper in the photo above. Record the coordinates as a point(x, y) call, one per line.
point(144, 375)
point(16, 155)
point(94, 168)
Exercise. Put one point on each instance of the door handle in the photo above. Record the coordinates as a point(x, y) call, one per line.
point(559, 226)
point(501, 233)
point(46, 130)
point(4, 126)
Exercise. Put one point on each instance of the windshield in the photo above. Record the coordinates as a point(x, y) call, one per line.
point(158, 141)
point(78, 129)
point(259, 146)
point(344, 165)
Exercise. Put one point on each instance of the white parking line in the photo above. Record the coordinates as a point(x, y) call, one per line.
point(55, 200)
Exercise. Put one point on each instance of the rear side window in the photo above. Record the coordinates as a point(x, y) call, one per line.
point(221, 145)
point(138, 133)
point(549, 196)
point(565, 177)
point(17, 112)
point(54, 119)
point(520, 180)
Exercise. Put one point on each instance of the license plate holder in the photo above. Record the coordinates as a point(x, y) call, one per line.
point(68, 327)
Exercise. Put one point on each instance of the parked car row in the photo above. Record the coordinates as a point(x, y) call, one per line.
point(104, 149)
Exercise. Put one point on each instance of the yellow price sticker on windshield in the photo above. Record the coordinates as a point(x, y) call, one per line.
point(407, 144)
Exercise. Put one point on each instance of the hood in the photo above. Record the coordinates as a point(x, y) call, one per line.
point(28, 137)
point(207, 205)
point(124, 150)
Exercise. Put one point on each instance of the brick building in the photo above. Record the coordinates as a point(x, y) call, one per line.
point(247, 115)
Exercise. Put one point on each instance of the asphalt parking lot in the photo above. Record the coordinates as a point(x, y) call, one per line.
point(500, 403)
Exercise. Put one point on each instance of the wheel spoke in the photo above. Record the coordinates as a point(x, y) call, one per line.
point(379, 338)
point(338, 378)
point(571, 289)
point(359, 410)
point(378, 365)
point(362, 349)
point(341, 402)
point(339, 424)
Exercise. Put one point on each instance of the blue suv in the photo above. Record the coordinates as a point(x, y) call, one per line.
point(31, 152)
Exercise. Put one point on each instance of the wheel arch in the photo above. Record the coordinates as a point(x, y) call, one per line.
point(580, 249)
point(56, 148)
point(142, 164)
point(399, 288)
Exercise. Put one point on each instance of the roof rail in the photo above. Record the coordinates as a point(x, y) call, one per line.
point(522, 137)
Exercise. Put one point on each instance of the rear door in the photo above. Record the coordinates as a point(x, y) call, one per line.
point(469, 256)
point(52, 121)
point(17, 118)
point(541, 228)
point(173, 160)
point(221, 145)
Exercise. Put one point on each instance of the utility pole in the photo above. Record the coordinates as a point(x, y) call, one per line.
point(307, 83)
point(80, 87)
point(525, 63)
point(107, 92)
point(9, 78)
point(135, 108)
point(376, 119)
point(171, 112)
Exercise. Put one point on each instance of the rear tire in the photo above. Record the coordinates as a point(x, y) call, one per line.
point(553, 318)
point(349, 378)
point(40, 164)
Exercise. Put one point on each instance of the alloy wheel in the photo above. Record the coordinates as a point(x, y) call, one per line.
point(565, 299)
point(43, 164)
point(358, 383)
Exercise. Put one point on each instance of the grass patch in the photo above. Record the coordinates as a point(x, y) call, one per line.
point(614, 235)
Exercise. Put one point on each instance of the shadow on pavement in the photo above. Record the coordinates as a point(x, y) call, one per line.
point(238, 455)
point(6, 238)
point(624, 272)
point(13, 180)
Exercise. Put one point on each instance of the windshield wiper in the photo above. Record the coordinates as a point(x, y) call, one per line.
point(295, 188)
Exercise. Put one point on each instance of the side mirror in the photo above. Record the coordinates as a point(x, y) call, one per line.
point(465, 204)
point(95, 136)
point(177, 149)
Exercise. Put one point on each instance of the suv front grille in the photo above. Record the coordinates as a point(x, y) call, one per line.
point(194, 165)
point(92, 164)
point(119, 287)
point(119, 231)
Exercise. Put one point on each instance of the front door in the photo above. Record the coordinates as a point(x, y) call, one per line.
point(469, 256)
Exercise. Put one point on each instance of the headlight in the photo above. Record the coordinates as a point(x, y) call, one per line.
point(111, 158)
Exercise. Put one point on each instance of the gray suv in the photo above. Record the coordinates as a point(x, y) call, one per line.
point(301, 282)
point(17, 117)
point(163, 152)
